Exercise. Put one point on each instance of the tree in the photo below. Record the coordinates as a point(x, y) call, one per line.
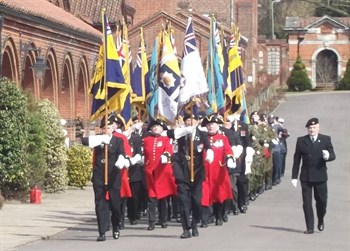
point(345, 82)
point(13, 140)
point(56, 156)
point(298, 79)
point(36, 147)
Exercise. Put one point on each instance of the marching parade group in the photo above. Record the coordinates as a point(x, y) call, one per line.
point(197, 172)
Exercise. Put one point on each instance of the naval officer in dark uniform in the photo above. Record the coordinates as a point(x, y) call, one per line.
point(314, 150)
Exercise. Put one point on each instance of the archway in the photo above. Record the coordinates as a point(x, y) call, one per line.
point(326, 68)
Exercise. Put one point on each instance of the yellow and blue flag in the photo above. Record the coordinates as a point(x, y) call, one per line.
point(107, 85)
point(125, 60)
point(140, 76)
point(169, 79)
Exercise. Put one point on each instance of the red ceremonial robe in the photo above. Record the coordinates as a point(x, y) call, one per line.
point(125, 190)
point(159, 177)
point(216, 186)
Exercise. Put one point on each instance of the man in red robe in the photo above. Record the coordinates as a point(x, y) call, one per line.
point(216, 186)
point(158, 171)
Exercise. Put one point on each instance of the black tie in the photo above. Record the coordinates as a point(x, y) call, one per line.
point(312, 139)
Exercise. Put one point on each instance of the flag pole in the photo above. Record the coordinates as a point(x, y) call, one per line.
point(191, 144)
point(106, 100)
point(212, 66)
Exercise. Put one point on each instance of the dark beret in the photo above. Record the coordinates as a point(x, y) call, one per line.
point(312, 121)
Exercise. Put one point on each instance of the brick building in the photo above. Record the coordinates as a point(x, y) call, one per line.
point(65, 35)
point(323, 43)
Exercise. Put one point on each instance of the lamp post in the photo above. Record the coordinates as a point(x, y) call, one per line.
point(273, 19)
point(39, 67)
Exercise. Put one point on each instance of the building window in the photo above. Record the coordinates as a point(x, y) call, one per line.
point(261, 60)
point(273, 61)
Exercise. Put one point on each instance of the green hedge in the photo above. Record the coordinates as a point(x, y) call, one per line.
point(79, 165)
point(298, 79)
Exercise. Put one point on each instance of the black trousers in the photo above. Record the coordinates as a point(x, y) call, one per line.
point(107, 210)
point(190, 195)
point(162, 209)
point(242, 187)
point(134, 203)
point(320, 195)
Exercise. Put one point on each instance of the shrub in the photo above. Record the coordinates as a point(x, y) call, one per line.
point(298, 79)
point(79, 165)
point(56, 156)
point(13, 138)
point(345, 82)
point(36, 147)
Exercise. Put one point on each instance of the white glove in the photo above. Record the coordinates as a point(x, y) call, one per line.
point(238, 152)
point(210, 156)
point(120, 162)
point(274, 141)
point(325, 154)
point(95, 140)
point(163, 159)
point(182, 131)
point(137, 126)
point(248, 163)
point(135, 159)
point(266, 144)
point(294, 182)
point(231, 163)
point(250, 152)
point(126, 162)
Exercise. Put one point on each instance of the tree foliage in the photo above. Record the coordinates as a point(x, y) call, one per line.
point(35, 152)
point(345, 82)
point(298, 79)
point(79, 165)
point(56, 156)
point(13, 139)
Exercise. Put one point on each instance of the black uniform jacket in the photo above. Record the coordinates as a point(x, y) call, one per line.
point(181, 157)
point(115, 148)
point(313, 167)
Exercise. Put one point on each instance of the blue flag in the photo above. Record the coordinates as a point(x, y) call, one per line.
point(107, 85)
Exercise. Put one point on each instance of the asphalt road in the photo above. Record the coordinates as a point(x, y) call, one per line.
point(275, 221)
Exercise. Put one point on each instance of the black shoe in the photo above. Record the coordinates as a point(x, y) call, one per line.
point(236, 212)
point(151, 226)
point(164, 225)
point(203, 225)
point(101, 237)
point(195, 232)
point(309, 231)
point(242, 210)
point(121, 226)
point(186, 234)
point(178, 220)
point(252, 197)
point(218, 222)
point(116, 235)
point(320, 226)
point(133, 222)
point(225, 218)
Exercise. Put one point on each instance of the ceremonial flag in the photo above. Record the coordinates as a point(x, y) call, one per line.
point(140, 76)
point(168, 80)
point(107, 85)
point(152, 88)
point(214, 75)
point(125, 58)
point(235, 90)
point(193, 78)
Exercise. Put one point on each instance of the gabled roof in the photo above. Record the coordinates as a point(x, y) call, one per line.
point(305, 23)
point(46, 11)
